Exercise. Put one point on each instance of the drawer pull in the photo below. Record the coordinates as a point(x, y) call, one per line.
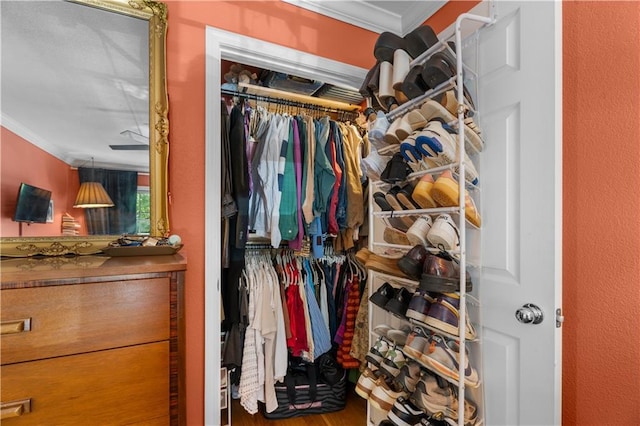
point(15, 326)
point(15, 408)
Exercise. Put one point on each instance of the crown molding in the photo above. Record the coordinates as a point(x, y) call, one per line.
point(370, 16)
point(417, 13)
point(356, 12)
point(12, 125)
point(28, 135)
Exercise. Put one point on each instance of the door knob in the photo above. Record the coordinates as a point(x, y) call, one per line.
point(529, 314)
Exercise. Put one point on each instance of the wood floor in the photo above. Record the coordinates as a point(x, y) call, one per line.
point(354, 414)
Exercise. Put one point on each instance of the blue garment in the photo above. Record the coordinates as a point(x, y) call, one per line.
point(321, 338)
point(341, 211)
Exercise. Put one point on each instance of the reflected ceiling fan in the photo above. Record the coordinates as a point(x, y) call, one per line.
point(142, 141)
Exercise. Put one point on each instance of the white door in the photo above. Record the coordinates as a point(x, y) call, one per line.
point(519, 96)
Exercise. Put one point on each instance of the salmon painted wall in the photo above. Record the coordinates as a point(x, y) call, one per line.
point(25, 162)
point(601, 237)
point(601, 101)
point(276, 22)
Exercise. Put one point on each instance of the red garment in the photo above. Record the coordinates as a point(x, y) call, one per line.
point(298, 341)
point(333, 205)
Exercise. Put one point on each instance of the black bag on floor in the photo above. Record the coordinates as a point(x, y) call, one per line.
point(311, 388)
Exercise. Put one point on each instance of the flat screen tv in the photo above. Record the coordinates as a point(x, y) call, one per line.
point(32, 205)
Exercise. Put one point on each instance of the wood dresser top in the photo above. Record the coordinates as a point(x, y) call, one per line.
point(62, 267)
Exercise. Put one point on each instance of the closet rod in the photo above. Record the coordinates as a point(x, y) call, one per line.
point(279, 97)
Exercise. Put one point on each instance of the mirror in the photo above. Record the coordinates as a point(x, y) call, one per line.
point(100, 120)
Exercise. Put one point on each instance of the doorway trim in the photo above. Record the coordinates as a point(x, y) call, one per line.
point(219, 45)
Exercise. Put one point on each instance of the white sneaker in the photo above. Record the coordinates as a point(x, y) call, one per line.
point(444, 233)
point(377, 129)
point(374, 164)
point(442, 147)
point(418, 232)
point(436, 142)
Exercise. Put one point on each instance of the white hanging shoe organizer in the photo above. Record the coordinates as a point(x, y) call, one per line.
point(378, 220)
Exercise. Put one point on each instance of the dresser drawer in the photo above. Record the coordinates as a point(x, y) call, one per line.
point(112, 387)
point(70, 319)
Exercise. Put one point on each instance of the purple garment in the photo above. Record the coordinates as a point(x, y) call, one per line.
point(339, 337)
point(296, 244)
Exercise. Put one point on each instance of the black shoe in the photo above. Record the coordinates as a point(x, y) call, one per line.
point(396, 170)
point(399, 304)
point(382, 295)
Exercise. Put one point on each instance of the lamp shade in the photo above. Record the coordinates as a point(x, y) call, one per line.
point(92, 195)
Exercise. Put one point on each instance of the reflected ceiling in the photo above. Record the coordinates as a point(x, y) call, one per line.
point(75, 80)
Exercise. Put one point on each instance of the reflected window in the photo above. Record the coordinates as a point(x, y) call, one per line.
point(143, 210)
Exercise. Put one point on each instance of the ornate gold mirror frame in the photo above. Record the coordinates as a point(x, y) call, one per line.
point(156, 14)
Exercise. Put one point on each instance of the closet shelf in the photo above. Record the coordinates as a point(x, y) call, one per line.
point(268, 92)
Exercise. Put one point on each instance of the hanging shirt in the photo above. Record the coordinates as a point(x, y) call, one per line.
point(249, 387)
point(287, 179)
point(258, 219)
point(267, 170)
point(323, 172)
point(298, 153)
point(308, 178)
point(279, 141)
point(341, 210)
point(321, 338)
point(355, 199)
point(332, 222)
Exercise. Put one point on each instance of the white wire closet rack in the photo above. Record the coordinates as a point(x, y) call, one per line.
point(456, 83)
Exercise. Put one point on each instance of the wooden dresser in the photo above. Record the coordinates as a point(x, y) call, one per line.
point(92, 340)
